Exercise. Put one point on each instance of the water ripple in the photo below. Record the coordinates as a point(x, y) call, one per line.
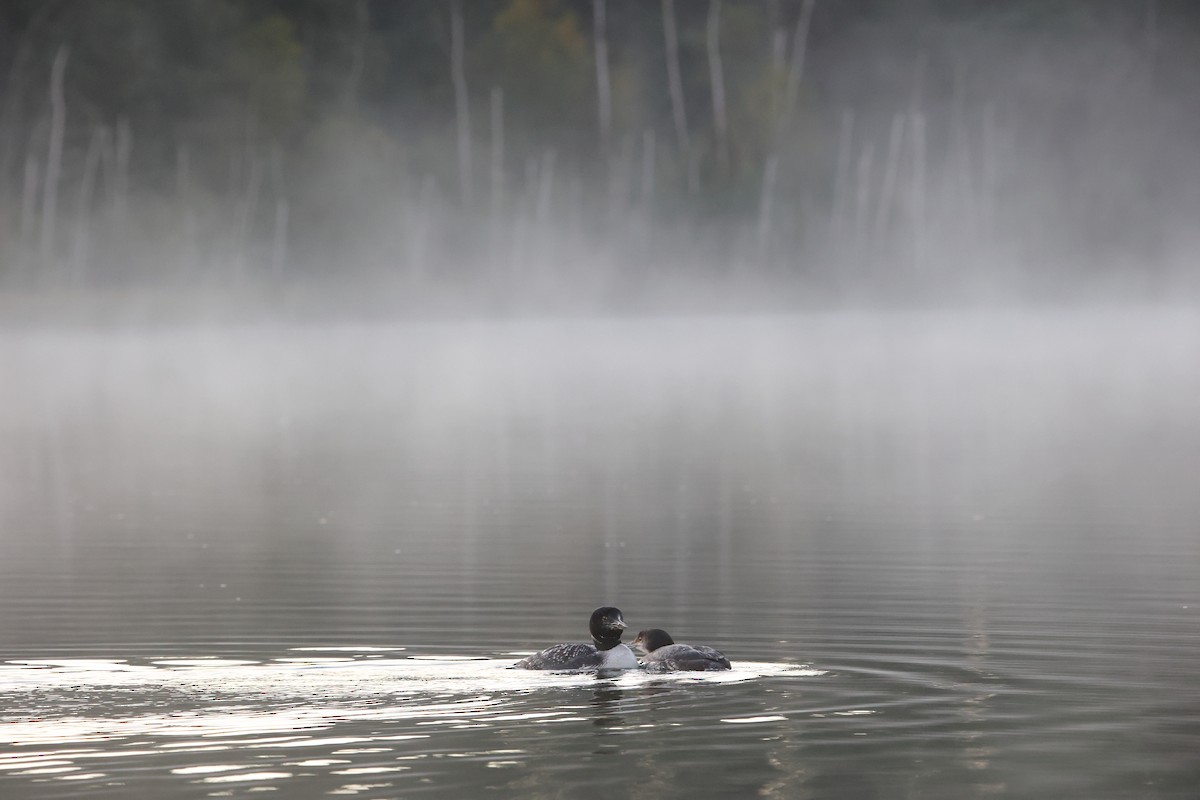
point(213, 721)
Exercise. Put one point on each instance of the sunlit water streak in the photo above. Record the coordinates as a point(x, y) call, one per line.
point(80, 719)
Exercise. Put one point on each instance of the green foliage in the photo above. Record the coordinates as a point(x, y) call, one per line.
point(538, 54)
point(343, 112)
point(265, 68)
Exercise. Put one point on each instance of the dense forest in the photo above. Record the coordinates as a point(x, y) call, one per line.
point(403, 152)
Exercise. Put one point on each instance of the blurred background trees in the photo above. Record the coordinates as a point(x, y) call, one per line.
point(821, 150)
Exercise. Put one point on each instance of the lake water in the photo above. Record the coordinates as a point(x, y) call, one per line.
point(950, 555)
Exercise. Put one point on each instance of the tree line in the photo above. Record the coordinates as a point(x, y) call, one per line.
point(595, 146)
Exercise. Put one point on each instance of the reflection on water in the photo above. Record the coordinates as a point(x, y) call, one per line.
point(949, 556)
point(220, 721)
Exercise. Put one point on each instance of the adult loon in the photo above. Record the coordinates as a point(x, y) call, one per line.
point(663, 655)
point(605, 651)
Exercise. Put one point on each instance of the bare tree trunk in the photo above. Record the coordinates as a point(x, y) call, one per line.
point(545, 190)
point(108, 171)
point(989, 180)
point(183, 173)
point(29, 198)
point(246, 212)
point(717, 78)
point(279, 248)
point(58, 119)
point(420, 233)
point(891, 173)
point(123, 147)
point(620, 182)
point(648, 167)
point(523, 235)
point(497, 153)
point(1150, 40)
point(841, 180)
point(461, 111)
point(862, 204)
point(83, 212)
point(10, 117)
point(183, 197)
point(766, 206)
point(778, 52)
point(675, 84)
point(964, 194)
point(542, 228)
point(279, 240)
point(231, 208)
point(358, 55)
point(917, 190)
point(603, 87)
point(796, 65)
point(575, 211)
point(779, 39)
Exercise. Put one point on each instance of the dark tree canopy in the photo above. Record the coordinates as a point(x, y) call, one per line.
point(250, 140)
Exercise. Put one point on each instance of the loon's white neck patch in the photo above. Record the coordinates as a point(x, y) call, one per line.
point(619, 657)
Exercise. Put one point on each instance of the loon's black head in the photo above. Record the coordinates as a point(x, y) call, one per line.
point(606, 626)
point(652, 638)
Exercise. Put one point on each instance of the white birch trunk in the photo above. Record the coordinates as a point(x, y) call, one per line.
point(717, 79)
point(461, 111)
point(647, 188)
point(29, 198)
point(862, 202)
point(542, 228)
point(183, 197)
point(603, 86)
point(183, 173)
point(11, 114)
point(420, 233)
point(766, 206)
point(545, 192)
point(841, 180)
point(279, 238)
point(122, 149)
point(990, 178)
point(891, 174)
point(795, 72)
point(358, 55)
point(1150, 40)
point(248, 207)
point(964, 196)
point(58, 120)
point(83, 211)
point(675, 85)
point(497, 153)
point(779, 40)
point(917, 198)
point(621, 181)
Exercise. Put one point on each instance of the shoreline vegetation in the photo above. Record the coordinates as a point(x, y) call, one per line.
point(528, 156)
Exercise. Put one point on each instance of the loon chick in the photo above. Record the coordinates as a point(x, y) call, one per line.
point(605, 652)
point(663, 655)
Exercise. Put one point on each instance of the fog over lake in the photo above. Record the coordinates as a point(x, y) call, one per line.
point(966, 538)
point(353, 352)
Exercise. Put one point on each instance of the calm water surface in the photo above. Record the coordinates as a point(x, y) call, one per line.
point(949, 555)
